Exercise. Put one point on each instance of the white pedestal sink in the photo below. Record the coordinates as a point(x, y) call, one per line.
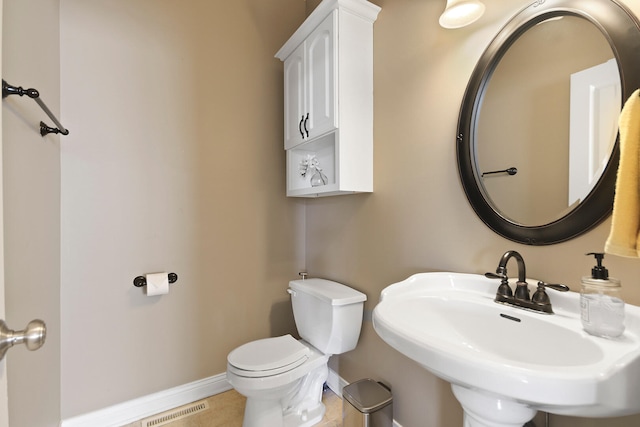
point(506, 363)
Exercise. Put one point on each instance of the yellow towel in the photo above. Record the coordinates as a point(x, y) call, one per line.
point(624, 238)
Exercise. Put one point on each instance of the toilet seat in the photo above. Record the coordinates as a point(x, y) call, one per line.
point(267, 357)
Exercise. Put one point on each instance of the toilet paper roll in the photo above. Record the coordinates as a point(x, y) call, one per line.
point(157, 283)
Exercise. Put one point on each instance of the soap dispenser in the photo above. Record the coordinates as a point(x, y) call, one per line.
point(601, 305)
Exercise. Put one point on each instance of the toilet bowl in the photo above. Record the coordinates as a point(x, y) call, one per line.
point(283, 378)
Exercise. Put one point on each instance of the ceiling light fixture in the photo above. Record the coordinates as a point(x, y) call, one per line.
point(460, 13)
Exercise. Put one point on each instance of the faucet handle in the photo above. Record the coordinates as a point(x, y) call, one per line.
point(504, 289)
point(557, 287)
point(541, 297)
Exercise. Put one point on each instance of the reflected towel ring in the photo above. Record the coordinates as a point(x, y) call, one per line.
point(510, 171)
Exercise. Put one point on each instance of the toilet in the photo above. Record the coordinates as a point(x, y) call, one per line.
point(283, 378)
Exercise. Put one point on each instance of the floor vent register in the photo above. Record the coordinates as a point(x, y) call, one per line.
point(175, 414)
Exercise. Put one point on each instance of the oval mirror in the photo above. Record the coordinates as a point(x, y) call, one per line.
point(537, 133)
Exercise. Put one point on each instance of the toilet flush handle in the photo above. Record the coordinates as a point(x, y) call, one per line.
point(291, 292)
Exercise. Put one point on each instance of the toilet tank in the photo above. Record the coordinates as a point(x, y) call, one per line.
point(328, 314)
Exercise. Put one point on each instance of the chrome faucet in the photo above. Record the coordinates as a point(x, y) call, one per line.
point(540, 301)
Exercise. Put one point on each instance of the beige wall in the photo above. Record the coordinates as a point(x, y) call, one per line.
point(175, 162)
point(418, 218)
point(31, 175)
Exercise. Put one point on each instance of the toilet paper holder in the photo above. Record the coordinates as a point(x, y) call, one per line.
point(141, 281)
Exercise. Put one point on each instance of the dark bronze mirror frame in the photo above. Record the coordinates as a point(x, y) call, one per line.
point(622, 30)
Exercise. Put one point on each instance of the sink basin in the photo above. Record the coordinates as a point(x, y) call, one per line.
point(506, 363)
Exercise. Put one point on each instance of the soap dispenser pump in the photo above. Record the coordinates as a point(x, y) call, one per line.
point(601, 305)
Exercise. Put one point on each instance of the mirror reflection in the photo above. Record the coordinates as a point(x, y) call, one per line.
point(548, 119)
point(519, 114)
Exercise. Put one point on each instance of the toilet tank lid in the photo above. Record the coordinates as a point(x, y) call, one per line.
point(332, 292)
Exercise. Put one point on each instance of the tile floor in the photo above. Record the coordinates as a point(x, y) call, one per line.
point(226, 410)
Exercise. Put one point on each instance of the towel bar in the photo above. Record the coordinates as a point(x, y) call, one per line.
point(8, 89)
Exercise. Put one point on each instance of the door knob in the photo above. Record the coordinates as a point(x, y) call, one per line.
point(33, 336)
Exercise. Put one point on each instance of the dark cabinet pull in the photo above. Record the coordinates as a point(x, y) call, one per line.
point(300, 126)
point(305, 125)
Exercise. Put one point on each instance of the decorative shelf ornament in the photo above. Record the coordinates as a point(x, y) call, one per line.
point(309, 164)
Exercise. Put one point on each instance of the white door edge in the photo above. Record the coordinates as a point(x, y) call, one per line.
point(4, 397)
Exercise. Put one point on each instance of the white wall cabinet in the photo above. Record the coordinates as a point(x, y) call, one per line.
point(310, 92)
point(328, 97)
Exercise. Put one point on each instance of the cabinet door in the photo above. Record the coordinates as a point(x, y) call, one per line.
point(295, 109)
point(320, 72)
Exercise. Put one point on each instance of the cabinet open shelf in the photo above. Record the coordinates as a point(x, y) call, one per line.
point(348, 167)
point(324, 150)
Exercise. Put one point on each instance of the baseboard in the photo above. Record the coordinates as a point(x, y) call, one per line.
point(136, 409)
point(146, 406)
point(335, 382)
